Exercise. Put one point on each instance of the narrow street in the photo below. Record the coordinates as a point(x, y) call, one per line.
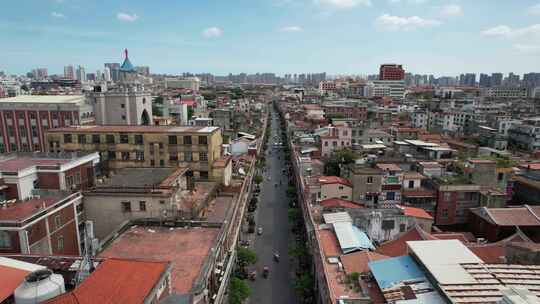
point(272, 216)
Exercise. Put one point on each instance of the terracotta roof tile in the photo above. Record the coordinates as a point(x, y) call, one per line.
point(338, 202)
point(515, 216)
point(325, 180)
point(329, 243)
point(490, 254)
point(358, 261)
point(11, 279)
point(116, 281)
point(415, 212)
point(398, 247)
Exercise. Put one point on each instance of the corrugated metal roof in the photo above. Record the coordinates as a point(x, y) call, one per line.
point(351, 238)
point(336, 217)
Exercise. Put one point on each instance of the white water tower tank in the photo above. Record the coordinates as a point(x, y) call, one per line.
point(39, 286)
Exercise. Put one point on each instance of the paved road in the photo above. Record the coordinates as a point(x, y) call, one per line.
point(272, 217)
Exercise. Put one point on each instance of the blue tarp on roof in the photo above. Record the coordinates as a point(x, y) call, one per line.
point(390, 272)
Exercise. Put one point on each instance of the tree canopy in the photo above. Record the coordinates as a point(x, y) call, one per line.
point(338, 158)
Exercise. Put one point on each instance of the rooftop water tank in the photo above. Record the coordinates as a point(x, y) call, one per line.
point(39, 286)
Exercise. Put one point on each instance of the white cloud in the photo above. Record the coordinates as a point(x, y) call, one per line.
point(451, 10)
point(291, 29)
point(57, 15)
point(127, 17)
point(527, 48)
point(506, 31)
point(342, 4)
point(396, 23)
point(534, 10)
point(212, 32)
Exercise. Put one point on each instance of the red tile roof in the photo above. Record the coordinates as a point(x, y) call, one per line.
point(22, 210)
point(490, 253)
point(185, 248)
point(338, 202)
point(398, 247)
point(116, 281)
point(326, 180)
point(329, 243)
point(11, 279)
point(515, 216)
point(464, 237)
point(415, 212)
point(358, 261)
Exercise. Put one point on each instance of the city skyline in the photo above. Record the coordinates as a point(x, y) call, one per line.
point(278, 36)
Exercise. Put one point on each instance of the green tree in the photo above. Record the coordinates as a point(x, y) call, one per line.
point(294, 214)
point(246, 257)
point(190, 112)
point(291, 191)
point(239, 291)
point(258, 179)
point(337, 159)
point(304, 285)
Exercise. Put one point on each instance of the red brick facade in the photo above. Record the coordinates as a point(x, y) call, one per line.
point(26, 128)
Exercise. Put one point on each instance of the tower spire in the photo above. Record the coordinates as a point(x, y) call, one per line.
point(126, 52)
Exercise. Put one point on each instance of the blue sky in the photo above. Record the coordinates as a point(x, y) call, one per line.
point(282, 36)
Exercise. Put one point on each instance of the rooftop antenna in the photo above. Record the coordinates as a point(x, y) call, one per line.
point(86, 266)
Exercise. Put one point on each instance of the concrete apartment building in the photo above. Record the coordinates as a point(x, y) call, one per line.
point(197, 148)
point(525, 135)
point(367, 183)
point(134, 193)
point(25, 118)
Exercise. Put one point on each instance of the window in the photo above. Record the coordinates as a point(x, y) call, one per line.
point(111, 155)
point(122, 106)
point(500, 176)
point(142, 206)
point(144, 100)
point(187, 140)
point(203, 140)
point(139, 155)
point(81, 138)
point(161, 163)
point(402, 227)
point(390, 196)
point(138, 139)
point(326, 144)
point(162, 202)
point(203, 156)
point(123, 117)
point(57, 221)
point(173, 156)
point(369, 180)
point(96, 139)
point(444, 213)
point(67, 138)
point(5, 239)
point(188, 156)
point(447, 196)
point(110, 138)
point(388, 224)
point(126, 206)
point(203, 174)
point(152, 163)
point(60, 243)
point(173, 140)
point(125, 155)
point(124, 139)
point(334, 143)
point(340, 187)
point(411, 184)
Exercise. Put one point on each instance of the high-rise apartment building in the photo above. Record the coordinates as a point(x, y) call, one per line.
point(496, 79)
point(391, 72)
point(114, 69)
point(40, 73)
point(81, 74)
point(485, 80)
point(69, 72)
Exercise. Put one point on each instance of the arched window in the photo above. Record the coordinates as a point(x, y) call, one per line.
point(5, 239)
